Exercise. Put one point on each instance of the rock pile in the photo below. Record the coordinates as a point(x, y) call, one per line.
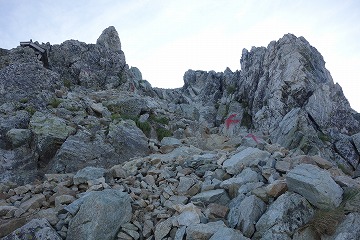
point(89, 150)
point(187, 193)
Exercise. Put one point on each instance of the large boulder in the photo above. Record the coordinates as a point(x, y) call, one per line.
point(100, 215)
point(246, 213)
point(316, 185)
point(51, 132)
point(289, 212)
point(128, 140)
point(82, 150)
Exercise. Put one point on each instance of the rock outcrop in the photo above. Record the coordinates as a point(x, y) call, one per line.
point(89, 150)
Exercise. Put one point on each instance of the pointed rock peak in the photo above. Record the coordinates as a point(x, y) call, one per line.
point(109, 39)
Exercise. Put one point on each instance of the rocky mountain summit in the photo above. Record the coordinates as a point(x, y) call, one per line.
point(90, 150)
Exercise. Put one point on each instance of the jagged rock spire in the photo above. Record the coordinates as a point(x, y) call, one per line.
point(109, 39)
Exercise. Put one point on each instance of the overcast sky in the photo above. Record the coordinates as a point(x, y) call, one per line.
point(164, 38)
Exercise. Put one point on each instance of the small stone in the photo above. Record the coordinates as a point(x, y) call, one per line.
point(228, 234)
point(187, 218)
point(133, 233)
point(88, 173)
point(147, 228)
point(203, 231)
point(261, 193)
point(118, 171)
point(276, 188)
point(34, 202)
point(63, 200)
point(194, 189)
point(22, 189)
point(283, 166)
point(184, 185)
point(163, 228)
point(149, 179)
point(18, 212)
point(180, 233)
point(58, 177)
point(5, 210)
point(321, 162)
point(124, 236)
point(218, 210)
point(49, 214)
point(213, 196)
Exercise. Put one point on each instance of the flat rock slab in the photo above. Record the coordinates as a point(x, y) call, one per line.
point(316, 185)
point(212, 196)
point(245, 158)
point(35, 229)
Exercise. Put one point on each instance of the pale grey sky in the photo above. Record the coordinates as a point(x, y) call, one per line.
point(164, 38)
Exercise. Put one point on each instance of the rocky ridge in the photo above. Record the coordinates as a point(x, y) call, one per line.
point(270, 151)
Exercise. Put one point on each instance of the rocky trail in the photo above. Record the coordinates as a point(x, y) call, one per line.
point(89, 150)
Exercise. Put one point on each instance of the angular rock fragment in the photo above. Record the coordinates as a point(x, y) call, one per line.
point(316, 185)
point(35, 229)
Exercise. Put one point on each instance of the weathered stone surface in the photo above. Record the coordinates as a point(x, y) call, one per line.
point(34, 202)
point(49, 214)
point(35, 229)
point(88, 173)
point(245, 158)
point(163, 228)
point(128, 140)
point(212, 196)
point(295, 131)
point(184, 185)
point(19, 137)
point(203, 231)
point(100, 215)
point(80, 151)
point(246, 176)
point(287, 213)
point(315, 184)
point(228, 234)
point(109, 39)
point(4, 210)
point(63, 200)
point(51, 131)
point(28, 79)
point(251, 208)
point(348, 229)
point(276, 188)
point(347, 150)
point(356, 139)
point(166, 141)
point(189, 214)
